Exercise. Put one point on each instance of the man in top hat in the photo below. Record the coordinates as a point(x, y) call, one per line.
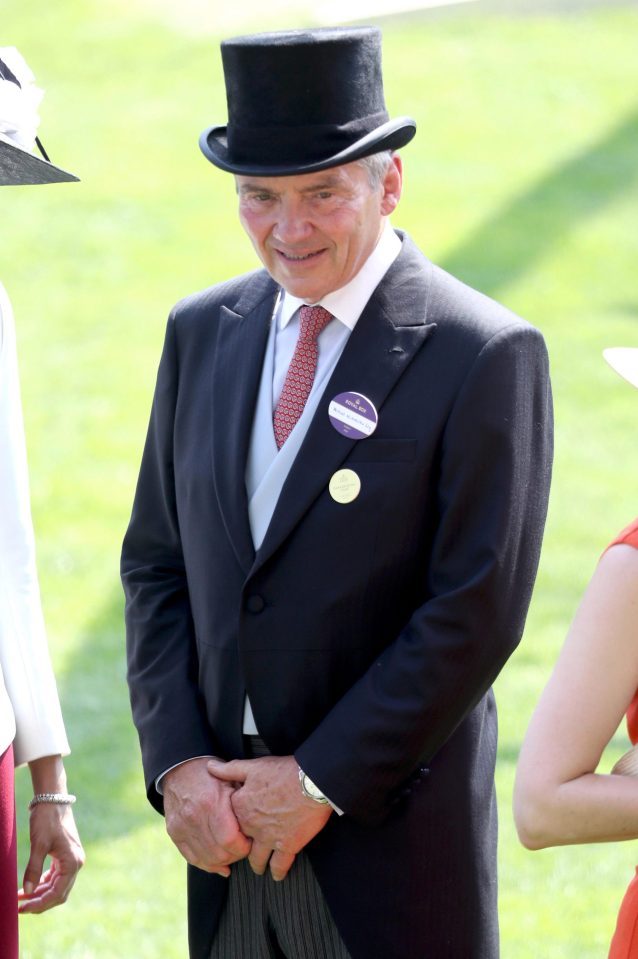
point(333, 543)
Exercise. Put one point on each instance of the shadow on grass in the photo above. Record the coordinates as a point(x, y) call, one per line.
point(502, 248)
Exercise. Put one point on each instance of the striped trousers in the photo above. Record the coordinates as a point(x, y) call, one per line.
point(264, 919)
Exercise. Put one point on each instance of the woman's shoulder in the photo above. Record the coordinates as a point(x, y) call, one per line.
point(616, 575)
point(628, 536)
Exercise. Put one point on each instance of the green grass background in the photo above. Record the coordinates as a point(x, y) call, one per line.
point(523, 180)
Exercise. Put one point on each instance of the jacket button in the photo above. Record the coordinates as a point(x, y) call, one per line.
point(255, 604)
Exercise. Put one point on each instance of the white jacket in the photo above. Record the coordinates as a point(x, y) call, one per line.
point(30, 715)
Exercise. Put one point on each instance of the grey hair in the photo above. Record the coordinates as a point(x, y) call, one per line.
point(376, 166)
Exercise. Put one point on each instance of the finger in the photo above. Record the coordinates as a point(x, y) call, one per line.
point(207, 865)
point(280, 863)
point(45, 883)
point(214, 870)
point(34, 871)
point(207, 851)
point(208, 860)
point(234, 847)
point(222, 826)
point(258, 857)
point(233, 771)
point(50, 894)
point(41, 903)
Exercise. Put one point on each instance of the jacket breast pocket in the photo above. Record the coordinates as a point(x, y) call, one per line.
point(380, 450)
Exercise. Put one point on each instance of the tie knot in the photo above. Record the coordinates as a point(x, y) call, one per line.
point(312, 320)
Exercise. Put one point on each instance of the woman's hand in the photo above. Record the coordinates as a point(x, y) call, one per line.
point(53, 833)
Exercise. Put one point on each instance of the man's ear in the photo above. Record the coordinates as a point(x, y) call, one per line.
point(392, 185)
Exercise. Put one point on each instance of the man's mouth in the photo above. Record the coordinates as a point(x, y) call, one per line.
point(299, 257)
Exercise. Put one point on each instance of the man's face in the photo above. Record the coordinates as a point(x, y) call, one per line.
point(314, 232)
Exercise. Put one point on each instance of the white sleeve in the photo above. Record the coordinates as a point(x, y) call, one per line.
point(25, 665)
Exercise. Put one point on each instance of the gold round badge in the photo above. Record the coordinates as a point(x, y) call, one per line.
point(344, 486)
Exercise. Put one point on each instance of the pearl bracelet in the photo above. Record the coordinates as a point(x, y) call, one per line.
point(60, 799)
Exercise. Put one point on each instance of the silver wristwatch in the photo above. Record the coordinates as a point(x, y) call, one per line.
point(309, 789)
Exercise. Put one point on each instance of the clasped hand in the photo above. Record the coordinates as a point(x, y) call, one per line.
point(271, 809)
point(244, 808)
point(200, 818)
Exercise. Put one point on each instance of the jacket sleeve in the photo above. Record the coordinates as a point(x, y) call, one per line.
point(29, 703)
point(493, 492)
point(162, 662)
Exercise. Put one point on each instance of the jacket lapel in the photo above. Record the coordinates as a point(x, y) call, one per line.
point(243, 334)
point(389, 333)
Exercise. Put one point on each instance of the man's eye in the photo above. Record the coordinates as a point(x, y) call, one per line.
point(325, 195)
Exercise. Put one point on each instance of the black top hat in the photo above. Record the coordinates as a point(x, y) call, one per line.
point(17, 165)
point(303, 100)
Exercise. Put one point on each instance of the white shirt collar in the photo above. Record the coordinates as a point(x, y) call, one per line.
point(347, 304)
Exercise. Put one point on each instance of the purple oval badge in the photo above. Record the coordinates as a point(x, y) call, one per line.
point(353, 415)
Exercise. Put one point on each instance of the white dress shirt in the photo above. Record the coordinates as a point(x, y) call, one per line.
point(30, 715)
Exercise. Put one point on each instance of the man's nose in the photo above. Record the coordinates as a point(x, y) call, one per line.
point(291, 226)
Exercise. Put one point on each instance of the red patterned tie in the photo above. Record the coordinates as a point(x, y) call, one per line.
point(301, 372)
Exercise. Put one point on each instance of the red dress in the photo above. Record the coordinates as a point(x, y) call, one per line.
point(8, 866)
point(624, 944)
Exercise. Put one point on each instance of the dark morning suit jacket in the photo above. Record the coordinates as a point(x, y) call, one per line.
point(367, 635)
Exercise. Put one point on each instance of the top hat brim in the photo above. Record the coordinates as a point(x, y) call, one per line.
point(18, 167)
point(391, 135)
point(624, 360)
